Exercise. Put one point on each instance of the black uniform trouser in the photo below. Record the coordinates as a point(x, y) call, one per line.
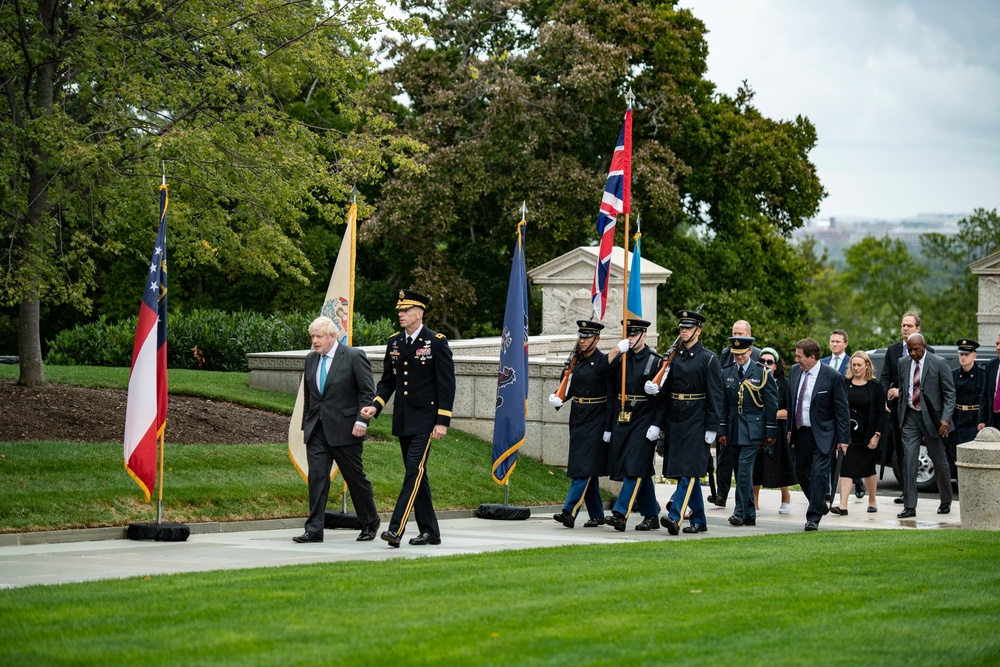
point(321, 456)
point(415, 495)
point(729, 463)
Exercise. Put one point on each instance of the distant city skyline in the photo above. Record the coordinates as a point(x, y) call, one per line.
point(905, 96)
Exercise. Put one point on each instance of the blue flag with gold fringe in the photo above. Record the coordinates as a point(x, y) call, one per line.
point(633, 304)
point(512, 380)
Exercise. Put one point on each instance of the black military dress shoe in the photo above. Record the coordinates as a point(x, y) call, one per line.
point(719, 502)
point(307, 537)
point(695, 528)
point(649, 523)
point(425, 538)
point(944, 509)
point(390, 537)
point(899, 500)
point(565, 518)
point(811, 526)
point(907, 514)
point(594, 523)
point(369, 532)
point(859, 489)
point(710, 498)
point(670, 525)
point(617, 521)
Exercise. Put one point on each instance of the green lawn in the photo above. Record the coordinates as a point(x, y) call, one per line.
point(830, 598)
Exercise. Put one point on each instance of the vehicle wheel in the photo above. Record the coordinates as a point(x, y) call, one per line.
point(925, 472)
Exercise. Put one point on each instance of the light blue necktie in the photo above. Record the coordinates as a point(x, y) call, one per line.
point(836, 363)
point(322, 373)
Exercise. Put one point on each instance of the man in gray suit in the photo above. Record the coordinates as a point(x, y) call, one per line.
point(818, 420)
point(338, 382)
point(927, 401)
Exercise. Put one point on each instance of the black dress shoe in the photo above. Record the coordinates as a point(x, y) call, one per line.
point(390, 537)
point(899, 500)
point(616, 520)
point(369, 532)
point(565, 518)
point(859, 489)
point(695, 528)
point(944, 509)
point(710, 498)
point(425, 538)
point(719, 502)
point(736, 520)
point(594, 523)
point(670, 525)
point(907, 514)
point(649, 523)
point(307, 537)
point(811, 525)
point(749, 522)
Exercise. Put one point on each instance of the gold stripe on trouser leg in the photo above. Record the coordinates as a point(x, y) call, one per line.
point(635, 492)
point(576, 508)
point(416, 485)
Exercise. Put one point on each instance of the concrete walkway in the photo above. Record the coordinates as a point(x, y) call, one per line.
point(73, 556)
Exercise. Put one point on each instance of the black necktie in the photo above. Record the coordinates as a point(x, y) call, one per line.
point(741, 373)
point(409, 341)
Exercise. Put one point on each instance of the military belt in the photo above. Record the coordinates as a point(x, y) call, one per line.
point(590, 401)
point(634, 398)
point(967, 407)
point(688, 397)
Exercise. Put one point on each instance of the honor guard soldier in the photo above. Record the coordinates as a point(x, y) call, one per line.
point(586, 385)
point(634, 427)
point(969, 382)
point(693, 400)
point(418, 368)
point(749, 421)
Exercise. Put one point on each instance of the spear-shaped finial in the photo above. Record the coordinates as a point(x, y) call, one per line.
point(524, 210)
point(163, 171)
point(354, 194)
point(629, 97)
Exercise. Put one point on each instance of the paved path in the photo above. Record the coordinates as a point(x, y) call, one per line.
point(53, 560)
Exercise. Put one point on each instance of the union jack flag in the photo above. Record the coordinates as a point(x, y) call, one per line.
point(617, 194)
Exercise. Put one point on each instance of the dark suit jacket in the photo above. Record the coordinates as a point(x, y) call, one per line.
point(844, 365)
point(989, 391)
point(829, 413)
point(937, 390)
point(350, 386)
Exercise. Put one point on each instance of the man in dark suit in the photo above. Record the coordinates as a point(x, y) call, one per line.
point(419, 369)
point(819, 419)
point(926, 404)
point(908, 324)
point(989, 404)
point(338, 382)
point(838, 358)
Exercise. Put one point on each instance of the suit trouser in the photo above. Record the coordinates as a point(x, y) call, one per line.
point(416, 492)
point(812, 469)
point(584, 490)
point(914, 434)
point(320, 456)
point(695, 503)
point(638, 491)
point(728, 463)
point(744, 482)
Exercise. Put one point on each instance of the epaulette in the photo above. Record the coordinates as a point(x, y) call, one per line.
point(440, 335)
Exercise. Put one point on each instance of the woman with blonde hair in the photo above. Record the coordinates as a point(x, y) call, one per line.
point(866, 398)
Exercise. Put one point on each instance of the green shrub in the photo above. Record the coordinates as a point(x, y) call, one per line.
point(201, 339)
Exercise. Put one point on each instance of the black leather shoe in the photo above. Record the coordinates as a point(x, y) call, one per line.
point(616, 521)
point(826, 510)
point(594, 523)
point(695, 528)
point(670, 525)
point(719, 502)
point(736, 520)
point(907, 514)
point(390, 537)
point(811, 525)
point(425, 538)
point(749, 522)
point(944, 509)
point(565, 518)
point(369, 532)
point(649, 523)
point(859, 489)
point(307, 537)
point(899, 501)
point(710, 498)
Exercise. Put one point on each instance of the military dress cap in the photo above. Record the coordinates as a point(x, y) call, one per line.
point(689, 318)
point(740, 344)
point(589, 329)
point(408, 299)
point(634, 326)
point(966, 345)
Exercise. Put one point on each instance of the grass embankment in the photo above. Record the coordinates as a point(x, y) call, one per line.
point(50, 485)
point(830, 598)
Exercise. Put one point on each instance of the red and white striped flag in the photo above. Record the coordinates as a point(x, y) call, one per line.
point(617, 193)
point(146, 413)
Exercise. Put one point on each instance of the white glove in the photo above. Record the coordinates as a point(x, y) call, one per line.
point(555, 401)
point(623, 346)
point(607, 436)
point(709, 437)
point(651, 388)
point(652, 433)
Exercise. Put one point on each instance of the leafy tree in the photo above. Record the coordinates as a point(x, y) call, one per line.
point(98, 95)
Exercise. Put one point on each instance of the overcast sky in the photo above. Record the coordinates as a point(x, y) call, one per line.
point(905, 96)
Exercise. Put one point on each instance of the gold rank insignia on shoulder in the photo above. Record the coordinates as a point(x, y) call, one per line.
point(439, 335)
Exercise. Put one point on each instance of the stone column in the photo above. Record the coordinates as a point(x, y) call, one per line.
point(979, 480)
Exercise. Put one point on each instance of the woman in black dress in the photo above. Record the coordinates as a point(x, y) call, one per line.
point(774, 466)
point(866, 398)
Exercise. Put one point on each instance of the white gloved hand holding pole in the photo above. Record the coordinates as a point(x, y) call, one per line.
point(555, 401)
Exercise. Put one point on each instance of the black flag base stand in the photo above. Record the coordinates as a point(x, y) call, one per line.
point(343, 518)
point(503, 512)
point(161, 532)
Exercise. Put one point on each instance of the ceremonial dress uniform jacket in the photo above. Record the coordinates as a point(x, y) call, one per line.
point(968, 390)
point(422, 375)
point(750, 405)
point(588, 416)
point(631, 454)
point(692, 395)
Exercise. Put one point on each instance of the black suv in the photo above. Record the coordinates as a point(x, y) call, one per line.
point(925, 467)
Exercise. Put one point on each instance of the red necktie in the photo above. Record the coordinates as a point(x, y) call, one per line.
point(802, 395)
point(996, 399)
point(916, 385)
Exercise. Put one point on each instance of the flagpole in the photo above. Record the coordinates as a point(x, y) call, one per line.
point(354, 249)
point(629, 99)
point(161, 440)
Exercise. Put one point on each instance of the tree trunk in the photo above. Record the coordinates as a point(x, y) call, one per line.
point(29, 345)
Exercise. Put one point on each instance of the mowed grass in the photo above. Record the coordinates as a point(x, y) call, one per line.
point(829, 598)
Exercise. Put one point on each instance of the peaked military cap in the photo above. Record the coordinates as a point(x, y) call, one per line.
point(689, 318)
point(408, 299)
point(966, 345)
point(634, 325)
point(589, 329)
point(740, 344)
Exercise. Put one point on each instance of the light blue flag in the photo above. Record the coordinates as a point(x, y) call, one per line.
point(634, 302)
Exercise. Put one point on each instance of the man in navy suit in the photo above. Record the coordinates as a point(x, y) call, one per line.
point(819, 419)
point(838, 358)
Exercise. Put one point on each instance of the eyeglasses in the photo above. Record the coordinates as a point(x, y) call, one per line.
point(767, 362)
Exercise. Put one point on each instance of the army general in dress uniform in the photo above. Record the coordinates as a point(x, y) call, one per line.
point(419, 369)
